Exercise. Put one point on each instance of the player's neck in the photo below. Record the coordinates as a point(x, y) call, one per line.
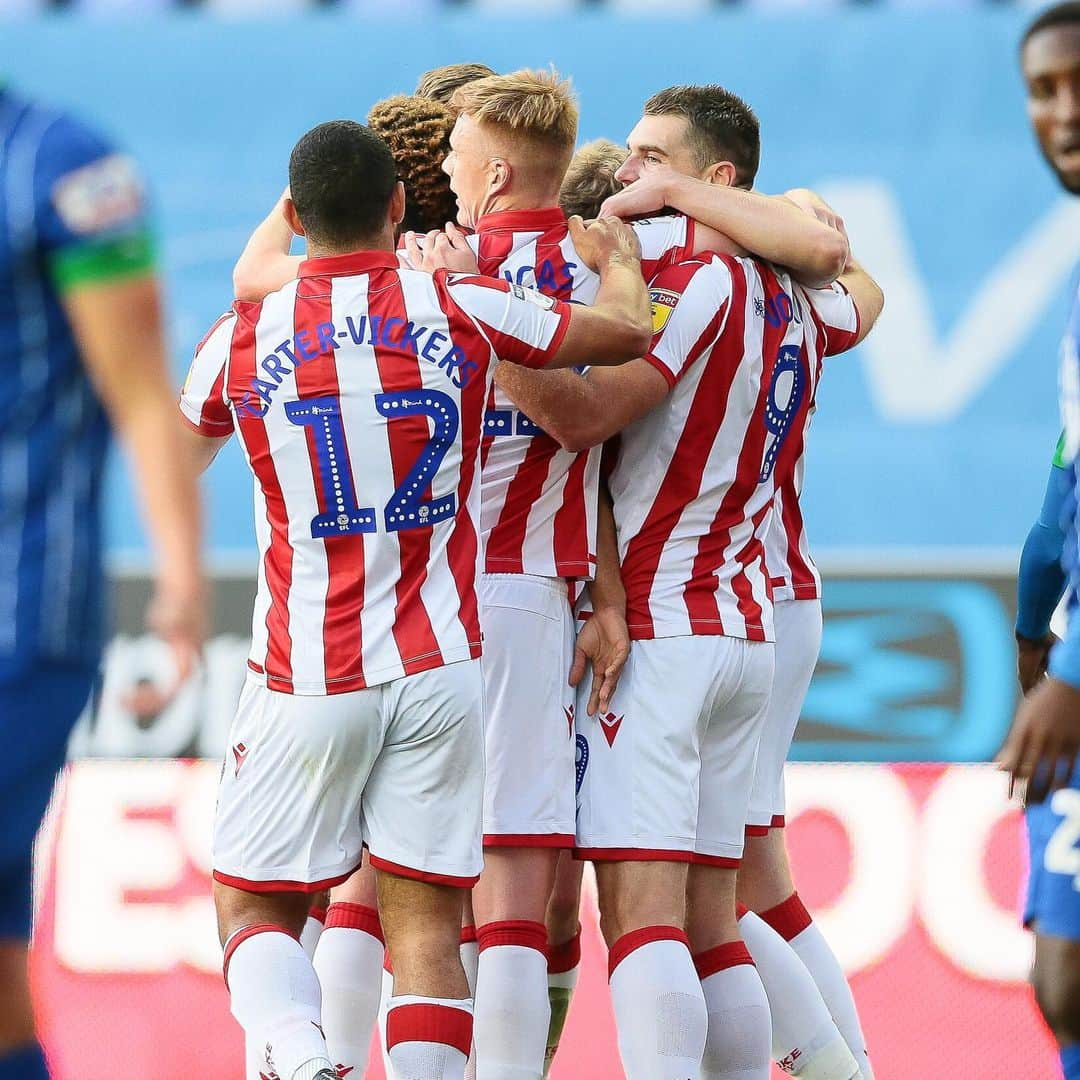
point(538, 199)
point(383, 241)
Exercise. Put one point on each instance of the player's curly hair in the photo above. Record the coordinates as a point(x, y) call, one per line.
point(539, 106)
point(417, 130)
point(441, 82)
point(590, 179)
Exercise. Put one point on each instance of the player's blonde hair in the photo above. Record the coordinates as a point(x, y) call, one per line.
point(441, 82)
point(417, 130)
point(591, 178)
point(537, 107)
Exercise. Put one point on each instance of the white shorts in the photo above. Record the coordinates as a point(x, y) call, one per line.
point(798, 641)
point(310, 781)
point(666, 773)
point(528, 711)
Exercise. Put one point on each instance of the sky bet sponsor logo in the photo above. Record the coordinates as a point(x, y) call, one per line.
point(431, 345)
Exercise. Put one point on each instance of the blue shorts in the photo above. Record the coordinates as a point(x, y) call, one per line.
point(1053, 900)
point(39, 705)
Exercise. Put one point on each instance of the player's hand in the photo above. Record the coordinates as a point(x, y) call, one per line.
point(177, 615)
point(603, 644)
point(597, 241)
point(812, 203)
point(648, 194)
point(1041, 748)
point(1032, 657)
point(447, 250)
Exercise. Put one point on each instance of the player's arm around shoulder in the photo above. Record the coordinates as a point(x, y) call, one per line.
point(265, 264)
point(618, 326)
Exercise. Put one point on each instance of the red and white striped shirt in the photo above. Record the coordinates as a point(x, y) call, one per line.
point(539, 501)
point(358, 395)
point(694, 483)
point(792, 570)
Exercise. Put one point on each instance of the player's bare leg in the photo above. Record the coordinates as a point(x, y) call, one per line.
point(512, 1015)
point(564, 947)
point(429, 1021)
point(349, 963)
point(740, 1025)
point(660, 1011)
point(767, 888)
point(272, 986)
point(19, 1050)
point(1056, 980)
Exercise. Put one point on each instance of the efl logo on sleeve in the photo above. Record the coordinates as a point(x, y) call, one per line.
point(663, 304)
point(99, 196)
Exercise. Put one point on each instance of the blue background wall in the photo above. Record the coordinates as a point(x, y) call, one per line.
point(936, 435)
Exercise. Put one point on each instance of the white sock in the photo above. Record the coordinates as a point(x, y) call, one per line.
point(429, 1038)
point(384, 1007)
point(659, 1007)
point(792, 922)
point(470, 956)
point(512, 1009)
point(349, 963)
point(274, 995)
point(564, 965)
point(740, 1027)
point(255, 1064)
point(805, 1039)
point(313, 928)
point(470, 959)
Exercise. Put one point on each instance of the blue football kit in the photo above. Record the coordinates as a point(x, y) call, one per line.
point(71, 214)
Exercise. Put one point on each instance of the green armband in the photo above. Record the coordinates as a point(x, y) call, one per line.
point(1059, 454)
point(103, 260)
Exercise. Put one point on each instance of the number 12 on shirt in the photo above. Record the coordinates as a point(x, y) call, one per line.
point(406, 508)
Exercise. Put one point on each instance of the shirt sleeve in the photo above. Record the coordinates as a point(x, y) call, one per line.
point(90, 208)
point(837, 316)
point(664, 241)
point(690, 303)
point(203, 403)
point(522, 325)
point(1040, 581)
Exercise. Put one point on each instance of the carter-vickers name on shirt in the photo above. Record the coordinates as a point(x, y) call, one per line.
point(431, 345)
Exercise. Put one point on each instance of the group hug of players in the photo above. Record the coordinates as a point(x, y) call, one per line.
point(611, 513)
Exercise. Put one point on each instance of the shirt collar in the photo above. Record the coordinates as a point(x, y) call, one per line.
point(522, 220)
point(355, 262)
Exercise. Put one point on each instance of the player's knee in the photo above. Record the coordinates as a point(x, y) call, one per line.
point(630, 900)
point(237, 909)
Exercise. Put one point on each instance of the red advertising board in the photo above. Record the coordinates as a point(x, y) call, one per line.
point(914, 873)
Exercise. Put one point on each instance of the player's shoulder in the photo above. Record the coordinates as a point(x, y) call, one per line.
point(659, 222)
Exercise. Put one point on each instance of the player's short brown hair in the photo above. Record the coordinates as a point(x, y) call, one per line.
point(536, 106)
point(722, 127)
point(591, 178)
point(417, 130)
point(441, 82)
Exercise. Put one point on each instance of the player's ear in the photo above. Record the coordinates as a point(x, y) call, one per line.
point(397, 205)
point(500, 173)
point(721, 173)
point(288, 208)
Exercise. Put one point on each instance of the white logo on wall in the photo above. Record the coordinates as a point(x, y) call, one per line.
point(196, 721)
point(916, 373)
